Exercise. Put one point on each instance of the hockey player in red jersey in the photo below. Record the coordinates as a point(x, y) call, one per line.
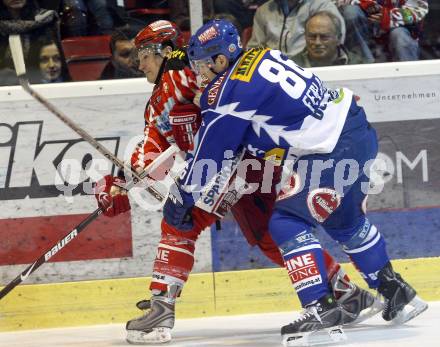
point(171, 118)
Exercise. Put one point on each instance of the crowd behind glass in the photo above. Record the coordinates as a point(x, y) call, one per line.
point(311, 32)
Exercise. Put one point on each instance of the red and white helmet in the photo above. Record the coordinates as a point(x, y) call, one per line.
point(155, 34)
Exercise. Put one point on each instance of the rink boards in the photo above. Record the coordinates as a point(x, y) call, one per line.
point(206, 294)
point(99, 277)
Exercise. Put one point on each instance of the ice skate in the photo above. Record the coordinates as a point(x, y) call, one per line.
point(319, 323)
point(155, 326)
point(401, 300)
point(355, 300)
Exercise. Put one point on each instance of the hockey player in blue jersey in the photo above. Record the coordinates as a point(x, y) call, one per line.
point(263, 102)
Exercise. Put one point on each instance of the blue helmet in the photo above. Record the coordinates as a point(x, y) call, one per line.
point(218, 36)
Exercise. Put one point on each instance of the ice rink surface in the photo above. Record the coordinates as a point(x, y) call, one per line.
point(249, 330)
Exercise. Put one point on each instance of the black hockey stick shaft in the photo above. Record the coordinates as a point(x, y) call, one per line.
point(87, 137)
point(55, 249)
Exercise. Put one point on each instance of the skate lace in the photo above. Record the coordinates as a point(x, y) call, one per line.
point(307, 313)
point(145, 307)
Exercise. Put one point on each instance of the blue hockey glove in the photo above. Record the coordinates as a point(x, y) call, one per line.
point(177, 209)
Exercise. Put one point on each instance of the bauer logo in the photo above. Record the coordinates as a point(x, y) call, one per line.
point(61, 244)
point(303, 271)
point(33, 167)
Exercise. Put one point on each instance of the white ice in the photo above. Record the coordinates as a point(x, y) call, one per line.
point(246, 330)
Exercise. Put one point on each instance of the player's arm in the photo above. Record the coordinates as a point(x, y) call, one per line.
point(108, 193)
point(184, 115)
point(218, 139)
point(149, 149)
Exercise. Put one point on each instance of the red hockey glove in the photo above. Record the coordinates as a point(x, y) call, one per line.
point(110, 197)
point(185, 121)
point(370, 7)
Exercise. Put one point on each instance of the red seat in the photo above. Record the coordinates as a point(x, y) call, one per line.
point(144, 9)
point(86, 56)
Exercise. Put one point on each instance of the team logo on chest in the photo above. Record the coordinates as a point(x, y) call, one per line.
point(322, 202)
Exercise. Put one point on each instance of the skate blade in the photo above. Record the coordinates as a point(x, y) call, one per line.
point(410, 311)
point(157, 335)
point(369, 312)
point(315, 338)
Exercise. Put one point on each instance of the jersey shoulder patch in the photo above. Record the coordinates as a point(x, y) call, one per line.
point(247, 64)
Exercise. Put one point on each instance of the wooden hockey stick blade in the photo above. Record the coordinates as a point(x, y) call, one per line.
point(17, 55)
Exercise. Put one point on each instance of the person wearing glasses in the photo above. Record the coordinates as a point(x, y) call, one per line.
point(323, 47)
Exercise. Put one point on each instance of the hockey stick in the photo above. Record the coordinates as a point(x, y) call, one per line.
point(49, 253)
point(81, 226)
point(20, 69)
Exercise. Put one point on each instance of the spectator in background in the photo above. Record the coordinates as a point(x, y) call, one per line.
point(323, 47)
point(393, 24)
point(83, 17)
point(235, 11)
point(102, 15)
point(124, 62)
point(51, 64)
point(26, 18)
point(238, 9)
point(279, 24)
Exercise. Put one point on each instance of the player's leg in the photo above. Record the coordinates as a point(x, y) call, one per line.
point(359, 302)
point(292, 223)
point(252, 213)
point(304, 259)
point(172, 266)
point(366, 247)
point(363, 242)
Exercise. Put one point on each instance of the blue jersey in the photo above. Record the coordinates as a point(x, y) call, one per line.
point(269, 106)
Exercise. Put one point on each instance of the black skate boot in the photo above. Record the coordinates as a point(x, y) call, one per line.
point(401, 300)
point(360, 303)
point(319, 323)
point(155, 325)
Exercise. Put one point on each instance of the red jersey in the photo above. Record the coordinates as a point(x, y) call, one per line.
point(176, 85)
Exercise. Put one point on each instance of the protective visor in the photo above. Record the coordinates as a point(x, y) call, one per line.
point(202, 65)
